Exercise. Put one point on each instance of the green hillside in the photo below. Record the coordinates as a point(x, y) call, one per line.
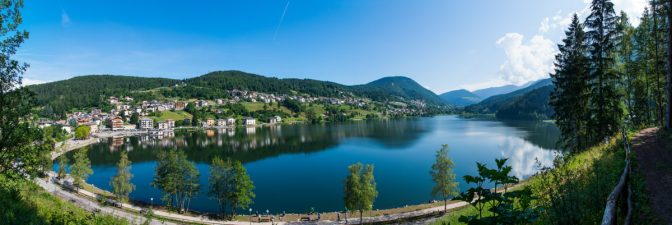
point(92, 91)
point(533, 105)
point(397, 88)
point(494, 103)
point(460, 97)
point(85, 92)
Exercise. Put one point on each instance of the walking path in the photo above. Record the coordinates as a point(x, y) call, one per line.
point(654, 162)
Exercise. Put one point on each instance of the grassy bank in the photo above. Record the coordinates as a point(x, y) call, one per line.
point(575, 191)
point(23, 202)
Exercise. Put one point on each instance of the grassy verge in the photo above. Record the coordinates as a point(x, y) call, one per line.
point(23, 202)
point(574, 192)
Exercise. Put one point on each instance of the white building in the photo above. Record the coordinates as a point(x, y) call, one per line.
point(275, 119)
point(221, 122)
point(249, 121)
point(146, 123)
point(162, 125)
point(230, 121)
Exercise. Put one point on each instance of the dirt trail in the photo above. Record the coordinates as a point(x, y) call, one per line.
point(654, 162)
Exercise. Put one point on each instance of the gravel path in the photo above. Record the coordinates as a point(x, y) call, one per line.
point(654, 162)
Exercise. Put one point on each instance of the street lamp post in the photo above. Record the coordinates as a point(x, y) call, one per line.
point(151, 204)
point(250, 216)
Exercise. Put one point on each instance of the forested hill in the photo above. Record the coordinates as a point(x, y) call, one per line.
point(92, 90)
point(511, 101)
point(389, 88)
point(460, 97)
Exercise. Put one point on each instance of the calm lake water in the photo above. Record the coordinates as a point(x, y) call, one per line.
point(296, 167)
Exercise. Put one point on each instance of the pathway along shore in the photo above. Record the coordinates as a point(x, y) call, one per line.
point(653, 153)
point(86, 200)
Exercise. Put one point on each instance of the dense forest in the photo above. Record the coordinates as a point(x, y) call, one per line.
point(84, 92)
point(495, 103)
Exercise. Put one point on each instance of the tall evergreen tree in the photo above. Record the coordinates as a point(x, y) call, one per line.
point(121, 183)
point(570, 98)
point(605, 101)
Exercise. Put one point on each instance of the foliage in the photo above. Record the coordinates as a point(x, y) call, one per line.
point(221, 182)
point(82, 132)
point(360, 188)
point(243, 188)
point(55, 133)
point(177, 178)
point(135, 118)
point(62, 163)
point(507, 207)
point(81, 167)
point(23, 202)
point(575, 189)
point(23, 150)
point(605, 100)
point(570, 96)
point(530, 106)
point(495, 103)
point(121, 183)
point(293, 105)
point(443, 176)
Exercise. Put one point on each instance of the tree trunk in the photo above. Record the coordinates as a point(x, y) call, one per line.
point(361, 217)
point(668, 90)
point(445, 205)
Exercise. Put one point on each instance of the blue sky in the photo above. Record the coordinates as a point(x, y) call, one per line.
point(444, 45)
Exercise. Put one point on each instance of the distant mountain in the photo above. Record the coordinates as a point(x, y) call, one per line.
point(533, 105)
point(460, 97)
point(494, 103)
point(89, 91)
point(492, 91)
point(389, 88)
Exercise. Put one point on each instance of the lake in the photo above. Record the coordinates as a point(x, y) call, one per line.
point(296, 167)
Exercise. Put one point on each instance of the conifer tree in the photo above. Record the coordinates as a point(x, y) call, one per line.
point(605, 102)
point(570, 98)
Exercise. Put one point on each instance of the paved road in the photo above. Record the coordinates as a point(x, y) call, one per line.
point(91, 206)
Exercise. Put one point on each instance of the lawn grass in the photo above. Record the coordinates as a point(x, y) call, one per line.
point(170, 115)
point(256, 106)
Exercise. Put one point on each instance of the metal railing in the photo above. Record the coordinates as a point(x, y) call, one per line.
point(611, 208)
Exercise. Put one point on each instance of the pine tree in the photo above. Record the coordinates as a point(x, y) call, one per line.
point(121, 183)
point(605, 100)
point(570, 98)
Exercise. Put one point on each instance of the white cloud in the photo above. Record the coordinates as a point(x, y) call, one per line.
point(526, 62)
point(28, 81)
point(490, 83)
point(634, 9)
point(65, 18)
point(544, 25)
